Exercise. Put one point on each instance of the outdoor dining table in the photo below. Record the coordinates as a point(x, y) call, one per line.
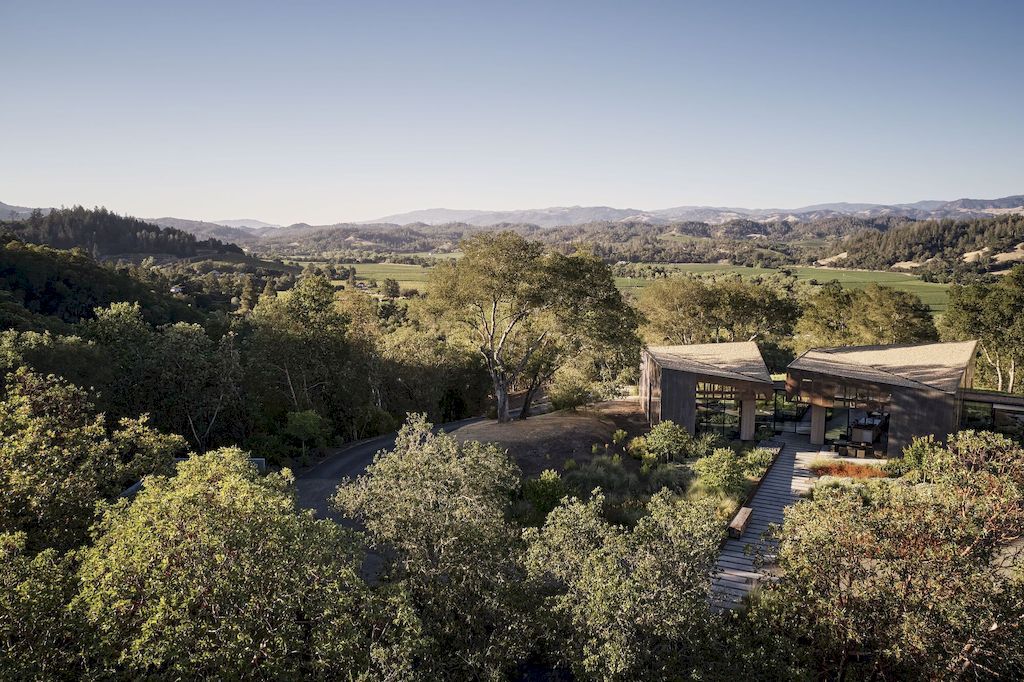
point(866, 430)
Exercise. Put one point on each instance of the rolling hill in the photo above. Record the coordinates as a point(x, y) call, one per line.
point(560, 216)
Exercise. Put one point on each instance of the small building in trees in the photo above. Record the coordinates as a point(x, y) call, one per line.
point(876, 399)
point(710, 387)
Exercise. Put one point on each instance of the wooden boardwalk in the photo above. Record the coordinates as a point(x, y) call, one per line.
point(788, 479)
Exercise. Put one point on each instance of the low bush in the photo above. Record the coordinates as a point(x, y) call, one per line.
point(569, 389)
point(543, 494)
point(670, 442)
point(722, 471)
point(624, 493)
point(674, 477)
point(757, 461)
point(603, 473)
point(726, 504)
point(637, 447)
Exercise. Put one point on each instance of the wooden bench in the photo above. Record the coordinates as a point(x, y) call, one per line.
point(740, 522)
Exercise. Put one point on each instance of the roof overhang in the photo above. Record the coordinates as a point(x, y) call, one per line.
point(734, 362)
point(926, 367)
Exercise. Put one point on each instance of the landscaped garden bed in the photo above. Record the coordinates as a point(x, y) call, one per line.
point(842, 469)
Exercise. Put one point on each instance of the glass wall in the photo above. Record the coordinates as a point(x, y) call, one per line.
point(789, 416)
point(859, 413)
point(1005, 419)
point(718, 411)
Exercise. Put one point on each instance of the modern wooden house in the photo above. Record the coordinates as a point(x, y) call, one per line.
point(862, 400)
point(705, 387)
point(879, 398)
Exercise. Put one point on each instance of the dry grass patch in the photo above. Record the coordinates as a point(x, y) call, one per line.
point(839, 468)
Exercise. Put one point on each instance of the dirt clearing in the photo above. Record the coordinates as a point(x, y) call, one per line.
point(545, 441)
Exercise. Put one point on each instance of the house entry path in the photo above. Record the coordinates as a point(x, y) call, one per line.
point(789, 478)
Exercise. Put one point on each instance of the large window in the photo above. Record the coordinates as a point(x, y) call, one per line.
point(718, 410)
point(859, 412)
point(1005, 419)
point(789, 416)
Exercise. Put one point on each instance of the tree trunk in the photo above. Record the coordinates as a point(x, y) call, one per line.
point(524, 412)
point(501, 397)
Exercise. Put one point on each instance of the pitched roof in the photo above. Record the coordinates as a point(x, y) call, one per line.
point(739, 361)
point(938, 366)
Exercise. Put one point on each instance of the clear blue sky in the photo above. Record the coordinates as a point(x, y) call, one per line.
point(327, 111)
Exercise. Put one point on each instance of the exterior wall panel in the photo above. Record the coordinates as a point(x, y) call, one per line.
point(679, 398)
point(919, 413)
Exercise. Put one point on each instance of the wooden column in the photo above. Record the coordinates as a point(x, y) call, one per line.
point(817, 425)
point(748, 409)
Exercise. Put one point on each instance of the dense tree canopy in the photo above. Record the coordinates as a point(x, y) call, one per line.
point(626, 604)
point(215, 573)
point(911, 579)
point(450, 565)
point(528, 311)
point(875, 315)
point(944, 241)
point(103, 233)
point(991, 313)
point(690, 309)
point(439, 508)
point(43, 288)
point(58, 459)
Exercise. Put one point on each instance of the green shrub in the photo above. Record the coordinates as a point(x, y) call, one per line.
point(569, 389)
point(757, 461)
point(637, 447)
point(674, 477)
point(916, 457)
point(668, 442)
point(569, 464)
point(619, 437)
point(722, 470)
point(603, 473)
point(896, 467)
point(703, 445)
point(544, 493)
point(307, 427)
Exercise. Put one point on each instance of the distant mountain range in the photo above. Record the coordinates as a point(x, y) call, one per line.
point(8, 212)
point(574, 215)
point(249, 230)
point(248, 223)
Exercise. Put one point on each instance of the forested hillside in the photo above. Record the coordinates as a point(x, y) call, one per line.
point(46, 288)
point(869, 242)
point(947, 241)
point(103, 233)
point(740, 241)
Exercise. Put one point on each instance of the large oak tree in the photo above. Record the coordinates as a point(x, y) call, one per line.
point(528, 311)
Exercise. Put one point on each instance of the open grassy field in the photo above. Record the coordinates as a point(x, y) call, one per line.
point(934, 295)
point(408, 276)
